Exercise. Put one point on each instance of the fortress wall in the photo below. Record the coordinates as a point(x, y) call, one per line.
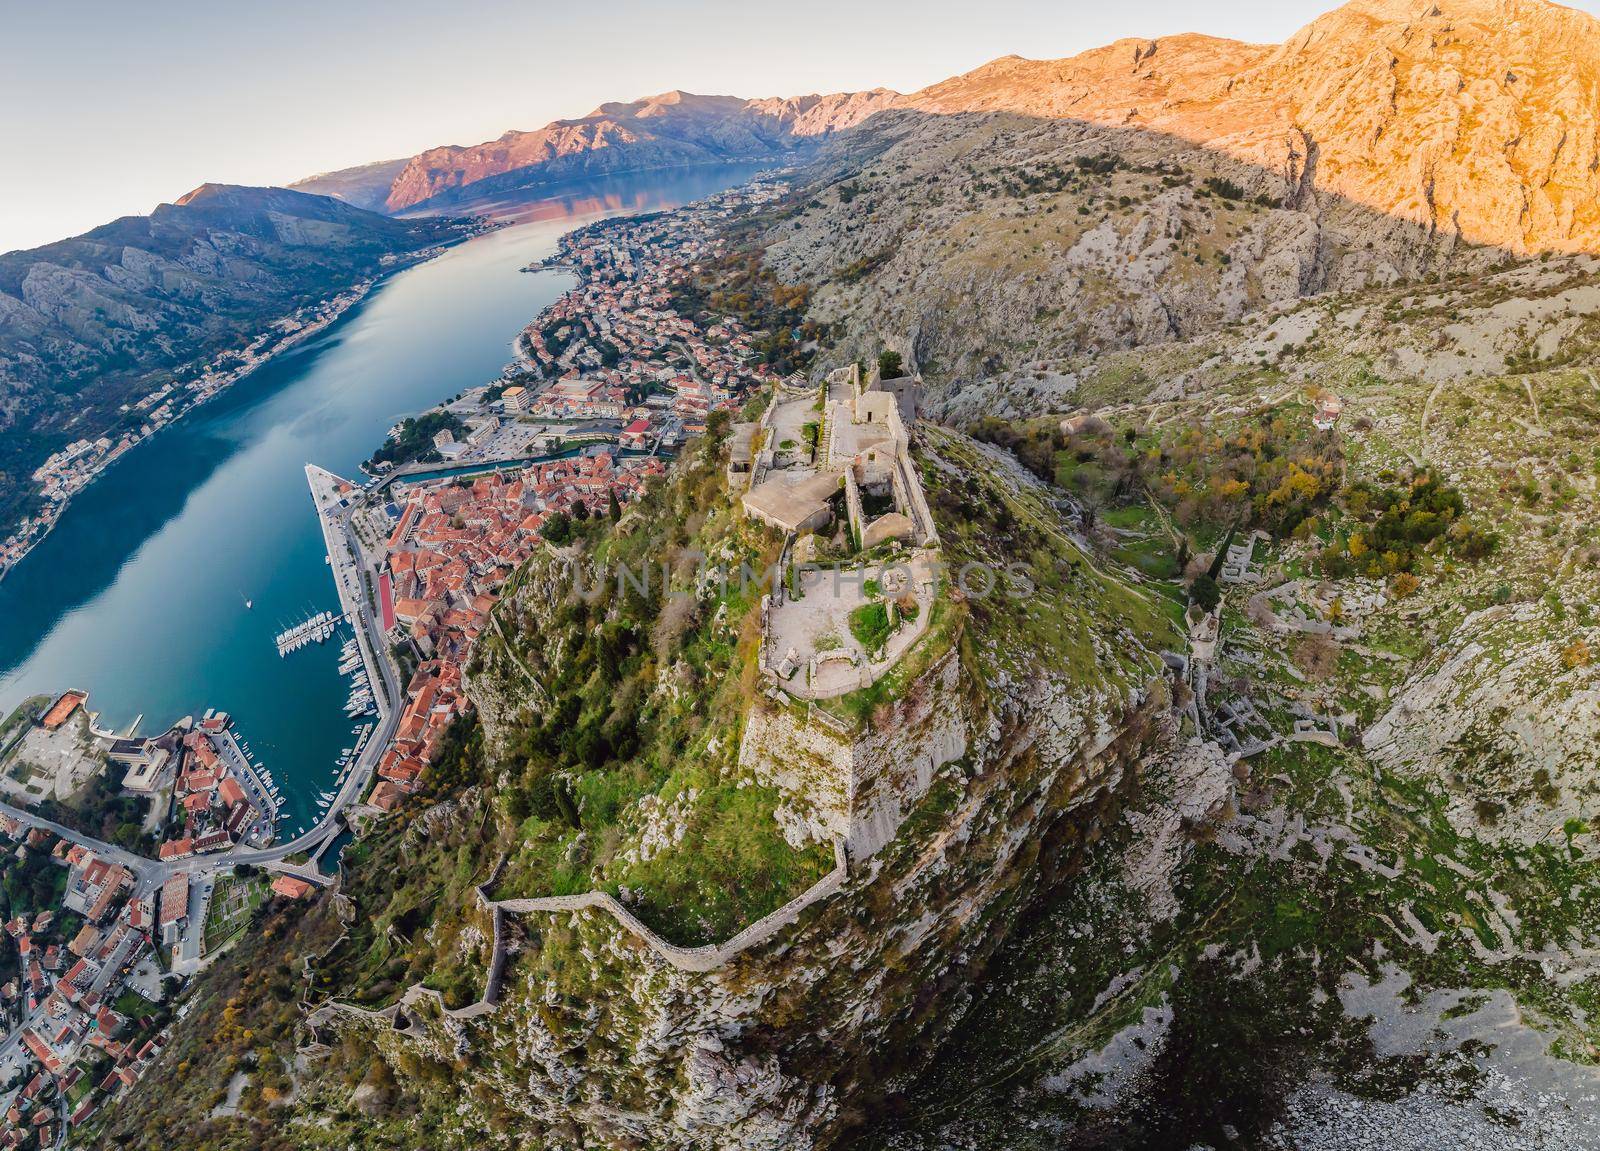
point(907, 391)
point(893, 766)
point(708, 957)
point(908, 490)
point(808, 761)
point(852, 503)
point(859, 787)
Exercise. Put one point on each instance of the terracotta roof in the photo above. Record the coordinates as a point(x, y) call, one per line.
point(62, 709)
point(174, 899)
point(385, 797)
point(291, 887)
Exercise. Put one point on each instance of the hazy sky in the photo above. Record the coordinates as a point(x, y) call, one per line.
point(112, 107)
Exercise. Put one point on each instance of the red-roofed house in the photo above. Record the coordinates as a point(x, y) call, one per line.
point(176, 849)
point(174, 907)
point(231, 791)
point(290, 887)
point(385, 797)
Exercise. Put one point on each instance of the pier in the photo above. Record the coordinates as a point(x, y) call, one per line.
point(318, 629)
point(261, 793)
point(374, 679)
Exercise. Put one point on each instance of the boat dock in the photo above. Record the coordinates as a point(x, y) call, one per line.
point(318, 629)
point(258, 785)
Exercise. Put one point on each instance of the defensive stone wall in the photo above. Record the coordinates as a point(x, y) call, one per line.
point(858, 787)
point(908, 494)
point(710, 956)
point(852, 503)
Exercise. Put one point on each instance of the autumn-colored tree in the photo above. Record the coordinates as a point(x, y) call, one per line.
point(1576, 654)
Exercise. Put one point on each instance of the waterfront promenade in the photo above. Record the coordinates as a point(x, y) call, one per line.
point(348, 564)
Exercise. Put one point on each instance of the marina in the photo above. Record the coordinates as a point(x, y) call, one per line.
point(317, 629)
point(360, 701)
point(257, 784)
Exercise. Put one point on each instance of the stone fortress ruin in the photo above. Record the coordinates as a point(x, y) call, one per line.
point(831, 468)
point(851, 440)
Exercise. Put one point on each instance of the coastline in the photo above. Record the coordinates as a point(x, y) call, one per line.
point(323, 315)
point(326, 313)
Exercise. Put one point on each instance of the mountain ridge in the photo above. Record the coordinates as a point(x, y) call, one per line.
point(1027, 216)
point(92, 321)
point(669, 129)
point(1477, 117)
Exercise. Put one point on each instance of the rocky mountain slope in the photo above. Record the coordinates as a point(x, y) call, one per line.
point(91, 322)
point(364, 186)
point(1056, 703)
point(1152, 190)
point(1474, 118)
point(1273, 822)
point(669, 130)
point(1349, 839)
point(1395, 935)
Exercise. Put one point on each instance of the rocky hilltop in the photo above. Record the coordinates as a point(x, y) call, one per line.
point(672, 129)
point(1266, 818)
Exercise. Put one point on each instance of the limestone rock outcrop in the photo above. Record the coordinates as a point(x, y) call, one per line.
point(1153, 191)
point(1476, 118)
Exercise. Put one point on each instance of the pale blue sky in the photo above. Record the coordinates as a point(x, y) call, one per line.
point(112, 107)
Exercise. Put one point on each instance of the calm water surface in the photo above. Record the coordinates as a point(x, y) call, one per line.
point(139, 594)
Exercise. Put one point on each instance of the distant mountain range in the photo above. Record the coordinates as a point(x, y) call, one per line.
point(671, 130)
point(1476, 117)
point(364, 186)
point(89, 322)
point(1384, 136)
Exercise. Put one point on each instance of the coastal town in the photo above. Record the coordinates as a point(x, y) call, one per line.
point(627, 357)
point(451, 546)
point(619, 346)
point(611, 366)
point(101, 936)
